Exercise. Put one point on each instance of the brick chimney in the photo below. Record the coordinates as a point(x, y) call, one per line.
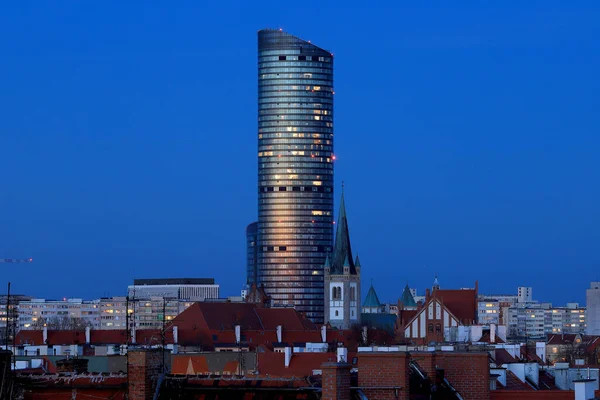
point(143, 372)
point(335, 381)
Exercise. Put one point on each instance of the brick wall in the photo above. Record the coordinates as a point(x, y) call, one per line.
point(143, 372)
point(384, 376)
point(532, 395)
point(468, 373)
point(336, 381)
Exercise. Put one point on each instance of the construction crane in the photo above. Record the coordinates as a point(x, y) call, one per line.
point(16, 260)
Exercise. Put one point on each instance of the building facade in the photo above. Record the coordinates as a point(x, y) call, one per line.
point(488, 311)
point(295, 169)
point(342, 278)
point(59, 314)
point(592, 299)
point(9, 316)
point(251, 254)
point(196, 289)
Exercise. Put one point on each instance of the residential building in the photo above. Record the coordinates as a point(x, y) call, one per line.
point(196, 289)
point(252, 254)
point(524, 294)
point(150, 313)
point(488, 312)
point(592, 302)
point(526, 322)
point(9, 316)
point(570, 319)
point(295, 169)
point(58, 314)
point(342, 278)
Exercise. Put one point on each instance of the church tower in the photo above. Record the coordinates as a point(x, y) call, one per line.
point(342, 278)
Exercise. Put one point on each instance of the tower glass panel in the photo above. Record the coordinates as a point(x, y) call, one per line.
point(295, 169)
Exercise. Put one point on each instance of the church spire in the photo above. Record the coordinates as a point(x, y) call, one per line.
point(342, 249)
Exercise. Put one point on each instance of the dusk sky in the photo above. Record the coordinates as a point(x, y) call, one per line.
point(467, 136)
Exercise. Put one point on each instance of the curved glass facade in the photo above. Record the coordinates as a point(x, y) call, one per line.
point(295, 169)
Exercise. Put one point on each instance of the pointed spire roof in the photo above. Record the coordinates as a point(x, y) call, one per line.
point(371, 300)
point(357, 262)
point(342, 249)
point(346, 262)
point(436, 283)
point(407, 298)
point(327, 263)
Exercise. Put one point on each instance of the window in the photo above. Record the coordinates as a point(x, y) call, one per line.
point(438, 328)
point(430, 328)
point(282, 58)
point(337, 313)
point(337, 293)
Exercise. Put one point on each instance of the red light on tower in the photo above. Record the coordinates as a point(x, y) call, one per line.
point(333, 157)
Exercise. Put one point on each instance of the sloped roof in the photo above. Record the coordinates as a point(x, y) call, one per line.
point(407, 298)
point(301, 364)
point(461, 303)
point(514, 383)
point(371, 300)
point(288, 318)
point(342, 250)
point(29, 337)
point(501, 356)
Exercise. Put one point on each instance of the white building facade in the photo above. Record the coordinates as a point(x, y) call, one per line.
point(196, 289)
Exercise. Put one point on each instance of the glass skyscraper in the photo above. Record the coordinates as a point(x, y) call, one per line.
point(295, 169)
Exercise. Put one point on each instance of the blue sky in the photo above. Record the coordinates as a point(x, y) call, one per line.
point(467, 135)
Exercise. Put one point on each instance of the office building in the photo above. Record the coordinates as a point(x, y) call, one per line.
point(295, 169)
point(592, 299)
point(196, 289)
point(251, 254)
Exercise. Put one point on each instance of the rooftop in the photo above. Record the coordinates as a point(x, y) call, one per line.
point(174, 281)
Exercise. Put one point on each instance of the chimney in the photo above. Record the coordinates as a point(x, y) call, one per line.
point(342, 355)
point(324, 334)
point(288, 356)
point(133, 335)
point(238, 333)
point(492, 333)
point(279, 329)
point(584, 388)
point(427, 295)
point(87, 334)
point(45, 335)
point(175, 334)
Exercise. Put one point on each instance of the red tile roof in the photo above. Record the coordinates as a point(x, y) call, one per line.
point(29, 337)
point(189, 365)
point(301, 364)
point(501, 356)
point(514, 383)
point(461, 303)
point(288, 318)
